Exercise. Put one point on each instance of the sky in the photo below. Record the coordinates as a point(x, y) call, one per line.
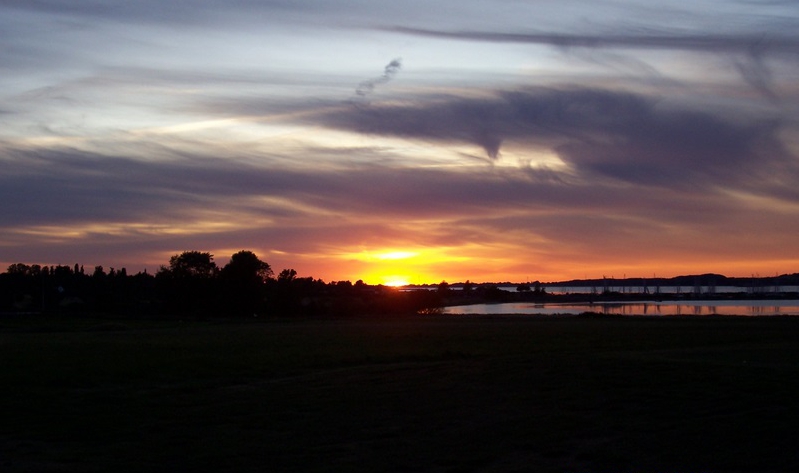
point(403, 141)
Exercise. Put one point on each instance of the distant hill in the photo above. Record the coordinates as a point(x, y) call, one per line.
point(708, 279)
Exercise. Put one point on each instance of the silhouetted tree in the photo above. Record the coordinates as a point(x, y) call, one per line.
point(287, 275)
point(467, 287)
point(243, 281)
point(290, 295)
point(493, 293)
point(19, 269)
point(187, 285)
point(20, 289)
point(192, 264)
point(443, 287)
point(245, 267)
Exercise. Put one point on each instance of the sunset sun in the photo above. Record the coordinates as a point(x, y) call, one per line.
point(396, 281)
point(390, 267)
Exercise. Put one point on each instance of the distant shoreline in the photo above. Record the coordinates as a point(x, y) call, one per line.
point(753, 282)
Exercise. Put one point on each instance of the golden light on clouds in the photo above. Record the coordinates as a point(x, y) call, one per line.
point(396, 255)
point(415, 256)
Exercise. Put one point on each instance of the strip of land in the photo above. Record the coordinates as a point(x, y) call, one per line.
point(710, 394)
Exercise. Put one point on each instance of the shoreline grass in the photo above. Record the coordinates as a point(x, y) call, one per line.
point(440, 393)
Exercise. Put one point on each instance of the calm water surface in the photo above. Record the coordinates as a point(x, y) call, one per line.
point(746, 308)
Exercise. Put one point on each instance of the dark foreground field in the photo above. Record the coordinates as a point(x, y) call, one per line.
point(401, 395)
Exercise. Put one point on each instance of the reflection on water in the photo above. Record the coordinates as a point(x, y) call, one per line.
point(746, 308)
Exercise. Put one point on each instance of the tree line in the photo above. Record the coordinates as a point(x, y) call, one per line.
point(193, 284)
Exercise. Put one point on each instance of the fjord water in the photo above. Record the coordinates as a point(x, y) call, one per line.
point(653, 289)
point(650, 308)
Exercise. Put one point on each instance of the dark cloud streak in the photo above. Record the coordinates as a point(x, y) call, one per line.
point(368, 86)
point(743, 43)
point(601, 133)
point(70, 187)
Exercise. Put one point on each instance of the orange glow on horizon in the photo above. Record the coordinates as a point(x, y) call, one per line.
point(396, 282)
point(393, 276)
point(394, 266)
point(427, 266)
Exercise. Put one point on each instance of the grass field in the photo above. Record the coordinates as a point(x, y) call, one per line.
point(404, 394)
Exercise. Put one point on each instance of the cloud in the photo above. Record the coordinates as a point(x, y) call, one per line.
point(754, 71)
point(58, 187)
point(94, 207)
point(64, 186)
point(368, 86)
point(751, 48)
point(741, 43)
point(153, 168)
point(612, 134)
point(205, 12)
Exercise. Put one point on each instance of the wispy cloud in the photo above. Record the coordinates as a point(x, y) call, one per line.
point(368, 86)
point(749, 49)
point(736, 43)
point(598, 132)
